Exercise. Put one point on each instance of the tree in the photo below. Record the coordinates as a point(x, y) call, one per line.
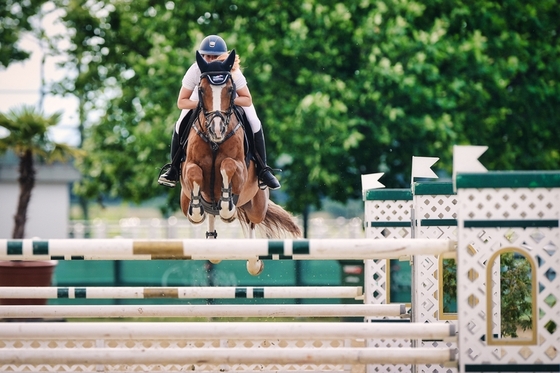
point(366, 85)
point(83, 56)
point(342, 88)
point(28, 139)
point(516, 298)
point(144, 73)
point(14, 21)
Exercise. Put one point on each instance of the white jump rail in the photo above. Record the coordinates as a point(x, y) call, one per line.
point(129, 249)
point(120, 311)
point(229, 356)
point(188, 292)
point(234, 249)
point(222, 330)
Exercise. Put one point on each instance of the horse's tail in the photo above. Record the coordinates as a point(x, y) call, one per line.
point(277, 223)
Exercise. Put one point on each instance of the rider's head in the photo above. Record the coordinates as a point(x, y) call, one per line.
point(211, 47)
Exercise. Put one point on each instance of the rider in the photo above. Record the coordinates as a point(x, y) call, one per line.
point(211, 48)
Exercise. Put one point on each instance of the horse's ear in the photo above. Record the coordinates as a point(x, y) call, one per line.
point(228, 63)
point(201, 62)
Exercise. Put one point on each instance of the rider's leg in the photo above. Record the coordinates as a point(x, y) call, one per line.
point(265, 174)
point(171, 175)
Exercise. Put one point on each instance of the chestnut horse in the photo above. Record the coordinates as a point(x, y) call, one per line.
point(217, 178)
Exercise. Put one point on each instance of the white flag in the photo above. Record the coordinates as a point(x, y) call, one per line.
point(371, 181)
point(421, 167)
point(465, 159)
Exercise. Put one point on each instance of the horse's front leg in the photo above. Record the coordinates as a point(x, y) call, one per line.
point(232, 181)
point(227, 207)
point(195, 212)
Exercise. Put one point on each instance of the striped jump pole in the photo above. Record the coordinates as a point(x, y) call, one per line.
point(228, 356)
point(222, 330)
point(189, 292)
point(233, 249)
point(218, 310)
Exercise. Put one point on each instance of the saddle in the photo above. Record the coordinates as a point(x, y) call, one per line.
point(188, 120)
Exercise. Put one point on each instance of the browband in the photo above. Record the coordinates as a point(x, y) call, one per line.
point(216, 77)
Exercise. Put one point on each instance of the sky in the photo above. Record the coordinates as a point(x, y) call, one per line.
point(20, 85)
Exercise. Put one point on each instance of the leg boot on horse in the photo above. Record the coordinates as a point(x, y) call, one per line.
point(266, 177)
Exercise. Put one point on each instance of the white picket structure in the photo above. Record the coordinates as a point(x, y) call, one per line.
point(485, 215)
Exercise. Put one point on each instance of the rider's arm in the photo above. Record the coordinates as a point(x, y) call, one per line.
point(243, 97)
point(184, 101)
point(187, 100)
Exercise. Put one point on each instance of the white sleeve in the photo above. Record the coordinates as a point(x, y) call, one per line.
point(239, 80)
point(192, 77)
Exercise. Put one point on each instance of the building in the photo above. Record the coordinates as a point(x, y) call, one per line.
point(49, 208)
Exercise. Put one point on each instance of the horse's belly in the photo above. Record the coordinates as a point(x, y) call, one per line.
point(250, 188)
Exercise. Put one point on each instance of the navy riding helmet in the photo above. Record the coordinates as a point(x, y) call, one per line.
point(213, 45)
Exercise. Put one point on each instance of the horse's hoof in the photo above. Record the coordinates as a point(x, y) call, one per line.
point(255, 267)
point(228, 220)
point(194, 221)
point(227, 212)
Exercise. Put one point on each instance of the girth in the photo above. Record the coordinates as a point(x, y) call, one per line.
point(212, 207)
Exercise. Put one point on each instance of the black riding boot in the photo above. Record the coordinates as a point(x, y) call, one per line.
point(171, 175)
point(266, 177)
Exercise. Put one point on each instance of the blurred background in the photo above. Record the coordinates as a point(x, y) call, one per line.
point(342, 88)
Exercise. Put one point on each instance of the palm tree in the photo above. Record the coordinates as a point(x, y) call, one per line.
point(28, 138)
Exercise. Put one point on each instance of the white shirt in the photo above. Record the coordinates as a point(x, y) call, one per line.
point(192, 78)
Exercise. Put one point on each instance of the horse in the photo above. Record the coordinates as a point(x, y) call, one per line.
point(218, 176)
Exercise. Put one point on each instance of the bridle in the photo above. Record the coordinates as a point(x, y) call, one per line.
point(216, 78)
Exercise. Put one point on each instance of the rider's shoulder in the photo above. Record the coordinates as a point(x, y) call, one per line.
point(238, 75)
point(193, 72)
point(193, 68)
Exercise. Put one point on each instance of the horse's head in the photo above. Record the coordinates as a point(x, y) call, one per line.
point(216, 94)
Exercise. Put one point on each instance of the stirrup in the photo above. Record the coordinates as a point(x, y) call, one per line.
point(164, 179)
point(262, 184)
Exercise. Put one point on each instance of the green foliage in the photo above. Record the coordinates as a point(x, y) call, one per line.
point(516, 296)
point(14, 21)
point(27, 135)
point(27, 130)
point(449, 273)
point(515, 292)
point(342, 88)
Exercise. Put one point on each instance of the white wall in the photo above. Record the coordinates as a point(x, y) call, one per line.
point(48, 213)
point(49, 209)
